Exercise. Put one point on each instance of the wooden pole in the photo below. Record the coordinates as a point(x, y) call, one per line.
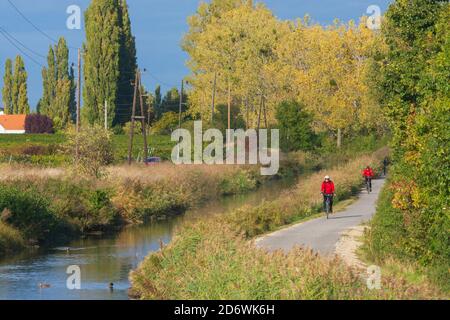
point(265, 115)
point(181, 104)
point(106, 115)
point(229, 104)
point(213, 105)
point(259, 113)
point(133, 114)
point(144, 130)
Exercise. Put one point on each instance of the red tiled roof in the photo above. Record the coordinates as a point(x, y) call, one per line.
point(13, 121)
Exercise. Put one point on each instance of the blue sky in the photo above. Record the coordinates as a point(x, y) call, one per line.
point(158, 26)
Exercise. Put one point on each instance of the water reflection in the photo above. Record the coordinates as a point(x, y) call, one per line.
point(104, 260)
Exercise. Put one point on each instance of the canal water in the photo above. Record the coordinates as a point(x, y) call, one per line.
point(105, 260)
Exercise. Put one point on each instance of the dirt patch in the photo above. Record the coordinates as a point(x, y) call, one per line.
point(347, 246)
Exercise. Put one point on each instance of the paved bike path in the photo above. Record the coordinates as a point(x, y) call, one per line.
point(321, 234)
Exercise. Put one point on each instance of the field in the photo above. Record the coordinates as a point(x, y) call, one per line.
point(45, 150)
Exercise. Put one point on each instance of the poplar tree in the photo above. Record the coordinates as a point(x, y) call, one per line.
point(7, 87)
point(108, 23)
point(128, 65)
point(22, 100)
point(101, 60)
point(19, 95)
point(49, 83)
point(59, 89)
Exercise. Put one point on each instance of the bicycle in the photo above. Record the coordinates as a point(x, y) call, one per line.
point(368, 184)
point(327, 204)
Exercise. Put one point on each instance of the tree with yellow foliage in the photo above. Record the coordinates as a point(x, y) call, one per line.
point(241, 54)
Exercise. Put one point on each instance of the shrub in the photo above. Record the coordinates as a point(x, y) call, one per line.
point(30, 212)
point(127, 128)
point(94, 148)
point(11, 239)
point(238, 183)
point(37, 123)
point(168, 123)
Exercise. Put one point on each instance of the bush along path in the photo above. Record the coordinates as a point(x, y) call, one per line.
point(322, 235)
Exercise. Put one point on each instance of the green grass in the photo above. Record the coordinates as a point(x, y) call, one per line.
point(11, 239)
point(41, 149)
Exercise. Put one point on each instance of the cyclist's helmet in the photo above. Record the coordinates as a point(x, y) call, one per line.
point(327, 178)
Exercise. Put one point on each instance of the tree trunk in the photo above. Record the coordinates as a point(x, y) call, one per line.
point(339, 138)
point(229, 104)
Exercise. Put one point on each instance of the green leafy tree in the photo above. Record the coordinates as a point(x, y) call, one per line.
point(407, 27)
point(19, 94)
point(109, 68)
point(414, 88)
point(58, 99)
point(171, 101)
point(49, 83)
point(128, 65)
point(167, 124)
point(101, 60)
point(22, 100)
point(7, 87)
point(295, 127)
point(158, 101)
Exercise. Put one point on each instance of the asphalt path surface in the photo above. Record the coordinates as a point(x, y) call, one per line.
point(321, 235)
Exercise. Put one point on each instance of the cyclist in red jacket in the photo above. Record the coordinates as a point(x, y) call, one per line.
point(327, 190)
point(368, 175)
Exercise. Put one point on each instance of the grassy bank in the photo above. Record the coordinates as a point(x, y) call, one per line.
point(213, 259)
point(10, 239)
point(48, 205)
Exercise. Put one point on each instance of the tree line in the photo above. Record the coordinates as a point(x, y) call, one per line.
point(241, 55)
point(411, 77)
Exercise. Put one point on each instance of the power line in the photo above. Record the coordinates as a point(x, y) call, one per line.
point(18, 48)
point(161, 82)
point(34, 26)
point(23, 45)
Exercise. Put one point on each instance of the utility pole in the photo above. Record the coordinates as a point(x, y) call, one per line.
point(144, 129)
point(106, 115)
point(133, 114)
point(213, 105)
point(137, 86)
point(181, 104)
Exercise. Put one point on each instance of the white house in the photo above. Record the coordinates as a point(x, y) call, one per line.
point(12, 123)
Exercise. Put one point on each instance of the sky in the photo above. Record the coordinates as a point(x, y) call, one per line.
point(158, 25)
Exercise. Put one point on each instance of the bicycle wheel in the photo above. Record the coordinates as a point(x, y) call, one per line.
point(327, 207)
